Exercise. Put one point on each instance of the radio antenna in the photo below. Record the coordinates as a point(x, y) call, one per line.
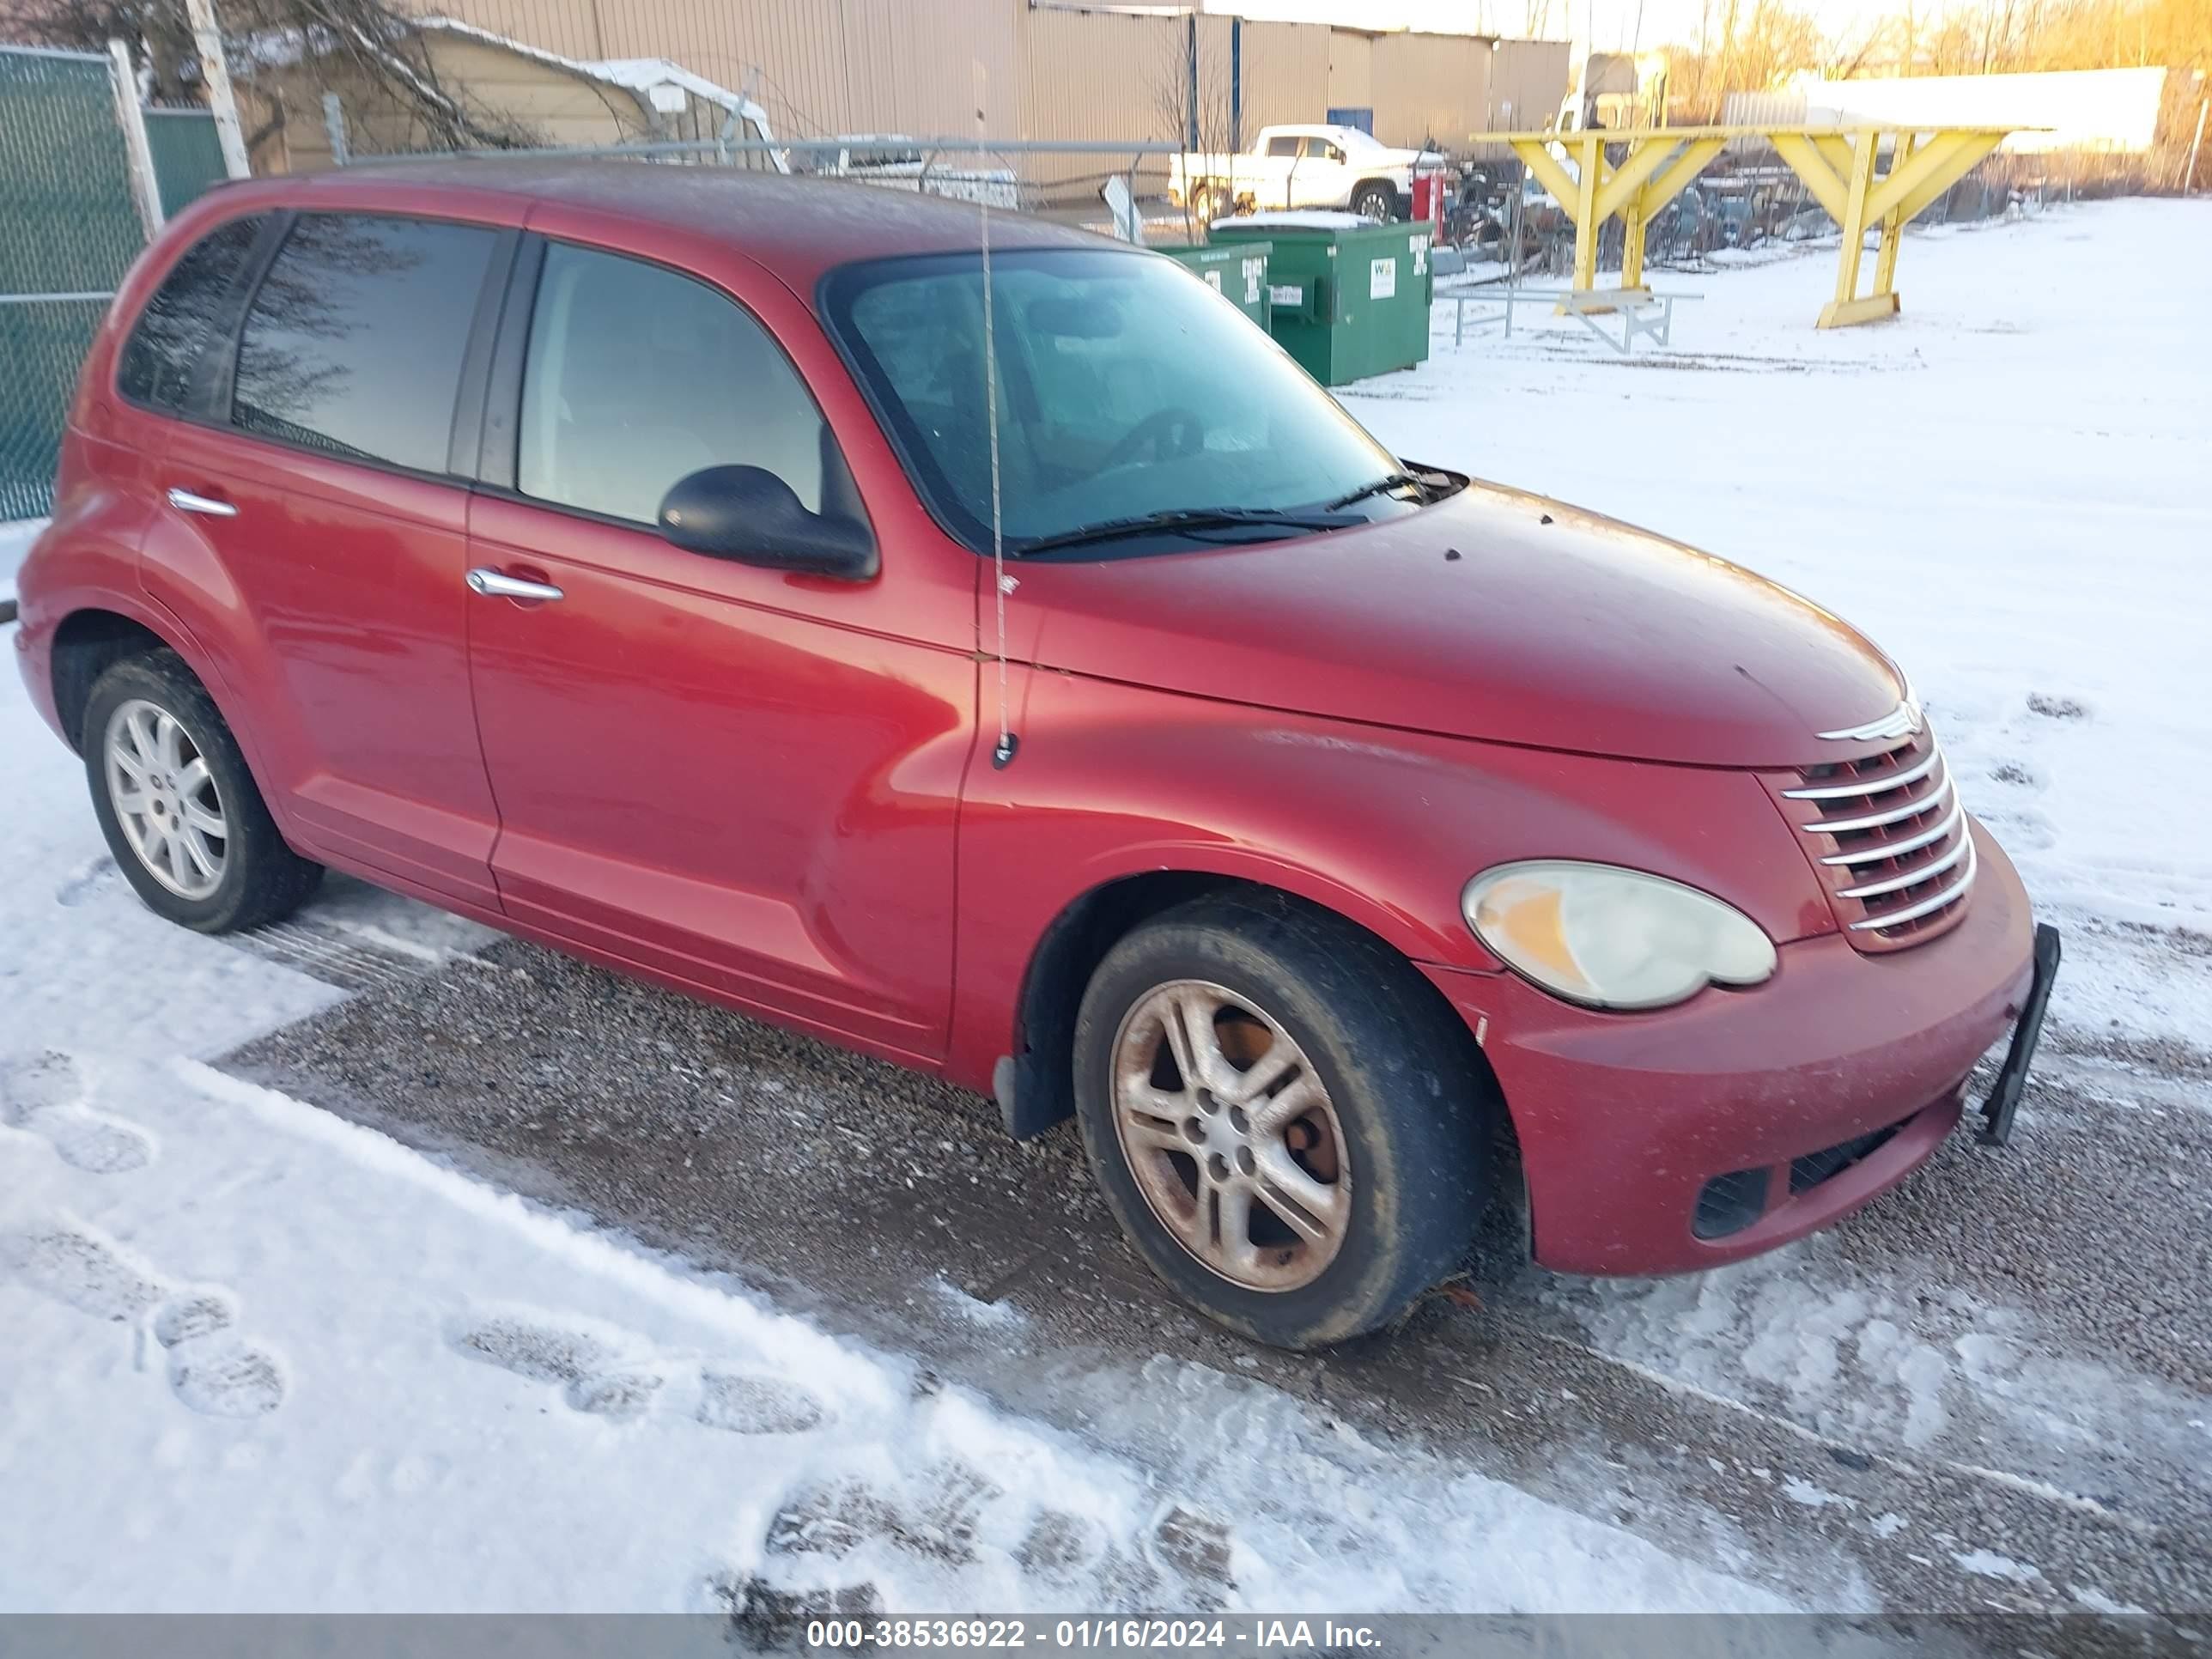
point(1001, 585)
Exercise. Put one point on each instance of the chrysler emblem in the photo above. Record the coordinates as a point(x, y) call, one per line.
point(1903, 721)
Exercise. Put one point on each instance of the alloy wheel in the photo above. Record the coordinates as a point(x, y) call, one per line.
point(165, 799)
point(1230, 1135)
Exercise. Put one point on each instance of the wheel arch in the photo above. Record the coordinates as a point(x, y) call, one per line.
point(87, 643)
point(1035, 1083)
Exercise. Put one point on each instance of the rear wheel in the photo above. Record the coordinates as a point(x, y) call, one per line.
point(181, 813)
point(1280, 1116)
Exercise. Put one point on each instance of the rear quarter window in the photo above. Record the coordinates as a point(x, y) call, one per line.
point(171, 331)
point(355, 342)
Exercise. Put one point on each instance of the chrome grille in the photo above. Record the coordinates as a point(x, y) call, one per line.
point(1890, 839)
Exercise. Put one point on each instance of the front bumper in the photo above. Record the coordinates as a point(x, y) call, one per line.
point(1625, 1121)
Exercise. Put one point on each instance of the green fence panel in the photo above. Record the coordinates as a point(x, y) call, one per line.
point(72, 230)
point(187, 156)
point(42, 345)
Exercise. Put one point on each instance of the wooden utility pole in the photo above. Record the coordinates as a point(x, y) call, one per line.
point(145, 188)
point(222, 102)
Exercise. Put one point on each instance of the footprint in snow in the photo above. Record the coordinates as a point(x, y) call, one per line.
point(745, 1403)
point(210, 1368)
point(2020, 774)
point(609, 1374)
point(2051, 705)
point(45, 1095)
point(90, 881)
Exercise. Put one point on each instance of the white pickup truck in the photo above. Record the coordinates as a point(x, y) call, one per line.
point(1301, 166)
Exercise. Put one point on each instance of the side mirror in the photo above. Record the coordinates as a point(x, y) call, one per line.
point(749, 515)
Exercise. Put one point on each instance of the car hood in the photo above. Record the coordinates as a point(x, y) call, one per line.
point(1496, 614)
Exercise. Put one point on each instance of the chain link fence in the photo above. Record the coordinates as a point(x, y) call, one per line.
point(1061, 180)
point(73, 229)
point(186, 153)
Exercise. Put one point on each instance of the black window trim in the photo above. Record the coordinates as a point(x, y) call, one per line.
point(502, 407)
point(207, 402)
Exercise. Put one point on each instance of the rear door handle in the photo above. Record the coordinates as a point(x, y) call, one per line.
point(494, 585)
point(186, 501)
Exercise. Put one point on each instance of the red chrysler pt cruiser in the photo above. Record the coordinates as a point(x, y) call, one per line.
point(610, 553)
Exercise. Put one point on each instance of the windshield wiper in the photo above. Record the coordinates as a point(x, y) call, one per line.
point(1188, 518)
point(1389, 481)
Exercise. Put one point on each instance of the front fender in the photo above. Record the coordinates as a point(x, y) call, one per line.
point(1380, 826)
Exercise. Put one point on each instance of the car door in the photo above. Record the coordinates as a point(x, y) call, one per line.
point(310, 502)
point(1321, 180)
point(1278, 165)
point(741, 780)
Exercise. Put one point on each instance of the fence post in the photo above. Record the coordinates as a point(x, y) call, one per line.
point(334, 124)
point(145, 188)
point(222, 101)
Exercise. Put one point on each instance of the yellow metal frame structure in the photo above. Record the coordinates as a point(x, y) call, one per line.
point(1840, 166)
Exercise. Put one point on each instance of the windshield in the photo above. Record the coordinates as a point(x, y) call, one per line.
point(1127, 388)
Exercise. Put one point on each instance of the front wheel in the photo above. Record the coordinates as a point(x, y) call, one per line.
point(181, 813)
point(1281, 1116)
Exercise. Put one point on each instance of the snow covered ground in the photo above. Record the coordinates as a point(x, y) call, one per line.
point(14, 542)
point(258, 1356)
point(2004, 488)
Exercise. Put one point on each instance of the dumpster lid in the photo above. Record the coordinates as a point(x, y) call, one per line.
point(1300, 219)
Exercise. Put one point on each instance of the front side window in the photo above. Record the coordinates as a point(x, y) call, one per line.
point(636, 377)
point(1126, 387)
point(165, 345)
point(355, 341)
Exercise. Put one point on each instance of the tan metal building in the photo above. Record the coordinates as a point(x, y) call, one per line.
point(1049, 69)
point(521, 93)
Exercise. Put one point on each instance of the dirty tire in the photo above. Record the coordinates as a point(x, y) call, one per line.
point(262, 879)
point(1376, 201)
point(1414, 1117)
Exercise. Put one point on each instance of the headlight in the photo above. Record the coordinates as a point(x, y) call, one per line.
point(1612, 938)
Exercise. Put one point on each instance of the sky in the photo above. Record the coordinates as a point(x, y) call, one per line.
point(1609, 24)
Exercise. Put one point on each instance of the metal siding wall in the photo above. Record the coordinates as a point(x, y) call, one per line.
point(1090, 75)
point(1351, 71)
point(1285, 75)
point(568, 26)
point(798, 48)
point(911, 65)
point(1430, 87)
point(1531, 78)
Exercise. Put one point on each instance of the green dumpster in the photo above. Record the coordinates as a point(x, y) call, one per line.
point(1349, 300)
point(1238, 273)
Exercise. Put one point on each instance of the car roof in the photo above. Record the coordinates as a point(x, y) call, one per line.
point(797, 228)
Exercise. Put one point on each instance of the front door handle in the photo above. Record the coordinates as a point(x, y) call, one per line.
point(494, 585)
point(186, 501)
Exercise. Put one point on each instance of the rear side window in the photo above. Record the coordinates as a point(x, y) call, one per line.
point(636, 377)
point(1281, 146)
point(354, 340)
point(165, 343)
